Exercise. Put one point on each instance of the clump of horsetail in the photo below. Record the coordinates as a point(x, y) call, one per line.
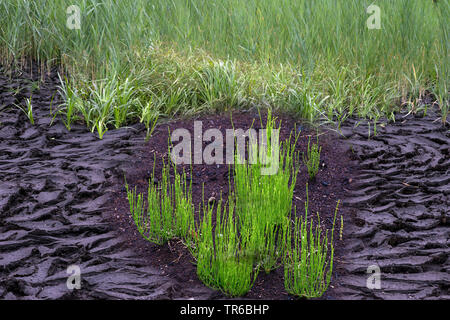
point(263, 198)
point(224, 261)
point(312, 159)
point(308, 262)
point(168, 211)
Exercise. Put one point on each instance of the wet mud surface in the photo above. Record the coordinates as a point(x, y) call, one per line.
point(401, 217)
point(59, 192)
point(53, 191)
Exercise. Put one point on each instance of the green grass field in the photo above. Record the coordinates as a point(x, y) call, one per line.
point(138, 60)
point(143, 60)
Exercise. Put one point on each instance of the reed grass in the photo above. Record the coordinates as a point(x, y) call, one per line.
point(317, 58)
point(224, 259)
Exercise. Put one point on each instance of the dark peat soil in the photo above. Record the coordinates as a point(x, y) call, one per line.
point(213, 180)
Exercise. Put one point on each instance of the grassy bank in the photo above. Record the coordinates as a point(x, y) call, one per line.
point(136, 60)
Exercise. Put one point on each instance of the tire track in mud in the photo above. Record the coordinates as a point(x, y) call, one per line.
point(401, 200)
point(53, 190)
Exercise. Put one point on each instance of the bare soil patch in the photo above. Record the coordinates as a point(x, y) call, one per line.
point(329, 186)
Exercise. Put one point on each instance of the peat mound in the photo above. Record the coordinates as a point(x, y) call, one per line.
point(211, 181)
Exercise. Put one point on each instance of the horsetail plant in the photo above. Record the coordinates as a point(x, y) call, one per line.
point(72, 102)
point(267, 243)
point(169, 213)
point(224, 261)
point(264, 201)
point(269, 194)
point(184, 208)
point(308, 263)
point(148, 222)
point(312, 159)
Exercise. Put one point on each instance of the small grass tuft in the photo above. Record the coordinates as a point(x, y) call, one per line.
point(28, 111)
point(312, 159)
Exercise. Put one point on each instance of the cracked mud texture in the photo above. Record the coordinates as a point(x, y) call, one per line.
point(401, 200)
point(55, 186)
point(53, 191)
